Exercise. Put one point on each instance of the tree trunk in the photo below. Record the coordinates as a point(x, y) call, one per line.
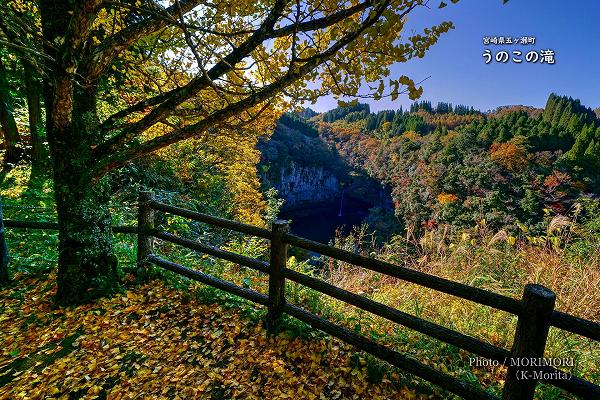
point(39, 156)
point(87, 265)
point(4, 276)
point(8, 123)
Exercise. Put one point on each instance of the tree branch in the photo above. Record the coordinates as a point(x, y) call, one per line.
point(320, 23)
point(201, 82)
point(177, 96)
point(105, 53)
point(119, 158)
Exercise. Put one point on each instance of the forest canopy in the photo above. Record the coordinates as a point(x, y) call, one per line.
point(509, 168)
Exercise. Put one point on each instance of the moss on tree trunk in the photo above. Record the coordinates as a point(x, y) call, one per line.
point(87, 265)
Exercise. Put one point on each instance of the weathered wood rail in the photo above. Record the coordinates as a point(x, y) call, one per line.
point(535, 310)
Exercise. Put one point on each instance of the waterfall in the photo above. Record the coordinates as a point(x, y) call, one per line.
point(341, 203)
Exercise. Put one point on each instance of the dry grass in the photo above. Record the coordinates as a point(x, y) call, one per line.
point(488, 262)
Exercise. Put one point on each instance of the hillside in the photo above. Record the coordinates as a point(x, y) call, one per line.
point(479, 256)
point(200, 336)
point(455, 166)
point(495, 200)
point(174, 225)
point(300, 165)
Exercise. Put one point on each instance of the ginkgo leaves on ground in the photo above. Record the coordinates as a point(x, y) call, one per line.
point(156, 342)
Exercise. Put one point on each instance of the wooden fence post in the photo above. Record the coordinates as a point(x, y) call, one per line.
point(529, 342)
point(145, 226)
point(278, 261)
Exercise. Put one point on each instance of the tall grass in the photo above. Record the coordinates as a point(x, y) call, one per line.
point(566, 259)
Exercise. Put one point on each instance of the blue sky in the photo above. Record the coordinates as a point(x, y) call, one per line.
point(459, 74)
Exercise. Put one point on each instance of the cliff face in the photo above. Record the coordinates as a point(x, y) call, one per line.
point(301, 185)
point(306, 171)
point(301, 167)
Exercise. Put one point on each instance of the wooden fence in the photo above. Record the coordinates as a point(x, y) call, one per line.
point(535, 310)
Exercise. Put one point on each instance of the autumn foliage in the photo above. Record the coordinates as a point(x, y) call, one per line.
point(510, 155)
point(455, 169)
point(160, 343)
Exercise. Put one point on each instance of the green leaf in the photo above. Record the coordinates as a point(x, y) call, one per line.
point(442, 5)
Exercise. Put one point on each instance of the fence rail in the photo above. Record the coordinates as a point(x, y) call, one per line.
point(54, 226)
point(577, 325)
point(457, 289)
point(535, 311)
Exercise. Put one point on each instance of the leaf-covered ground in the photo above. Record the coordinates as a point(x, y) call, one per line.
point(153, 341)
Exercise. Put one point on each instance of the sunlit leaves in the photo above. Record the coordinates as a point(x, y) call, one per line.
point(219, 28)
point(164, 344)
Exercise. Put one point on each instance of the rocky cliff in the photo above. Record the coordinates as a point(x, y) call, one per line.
point(304, 185)
point(302, 168)
point(308, 171)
